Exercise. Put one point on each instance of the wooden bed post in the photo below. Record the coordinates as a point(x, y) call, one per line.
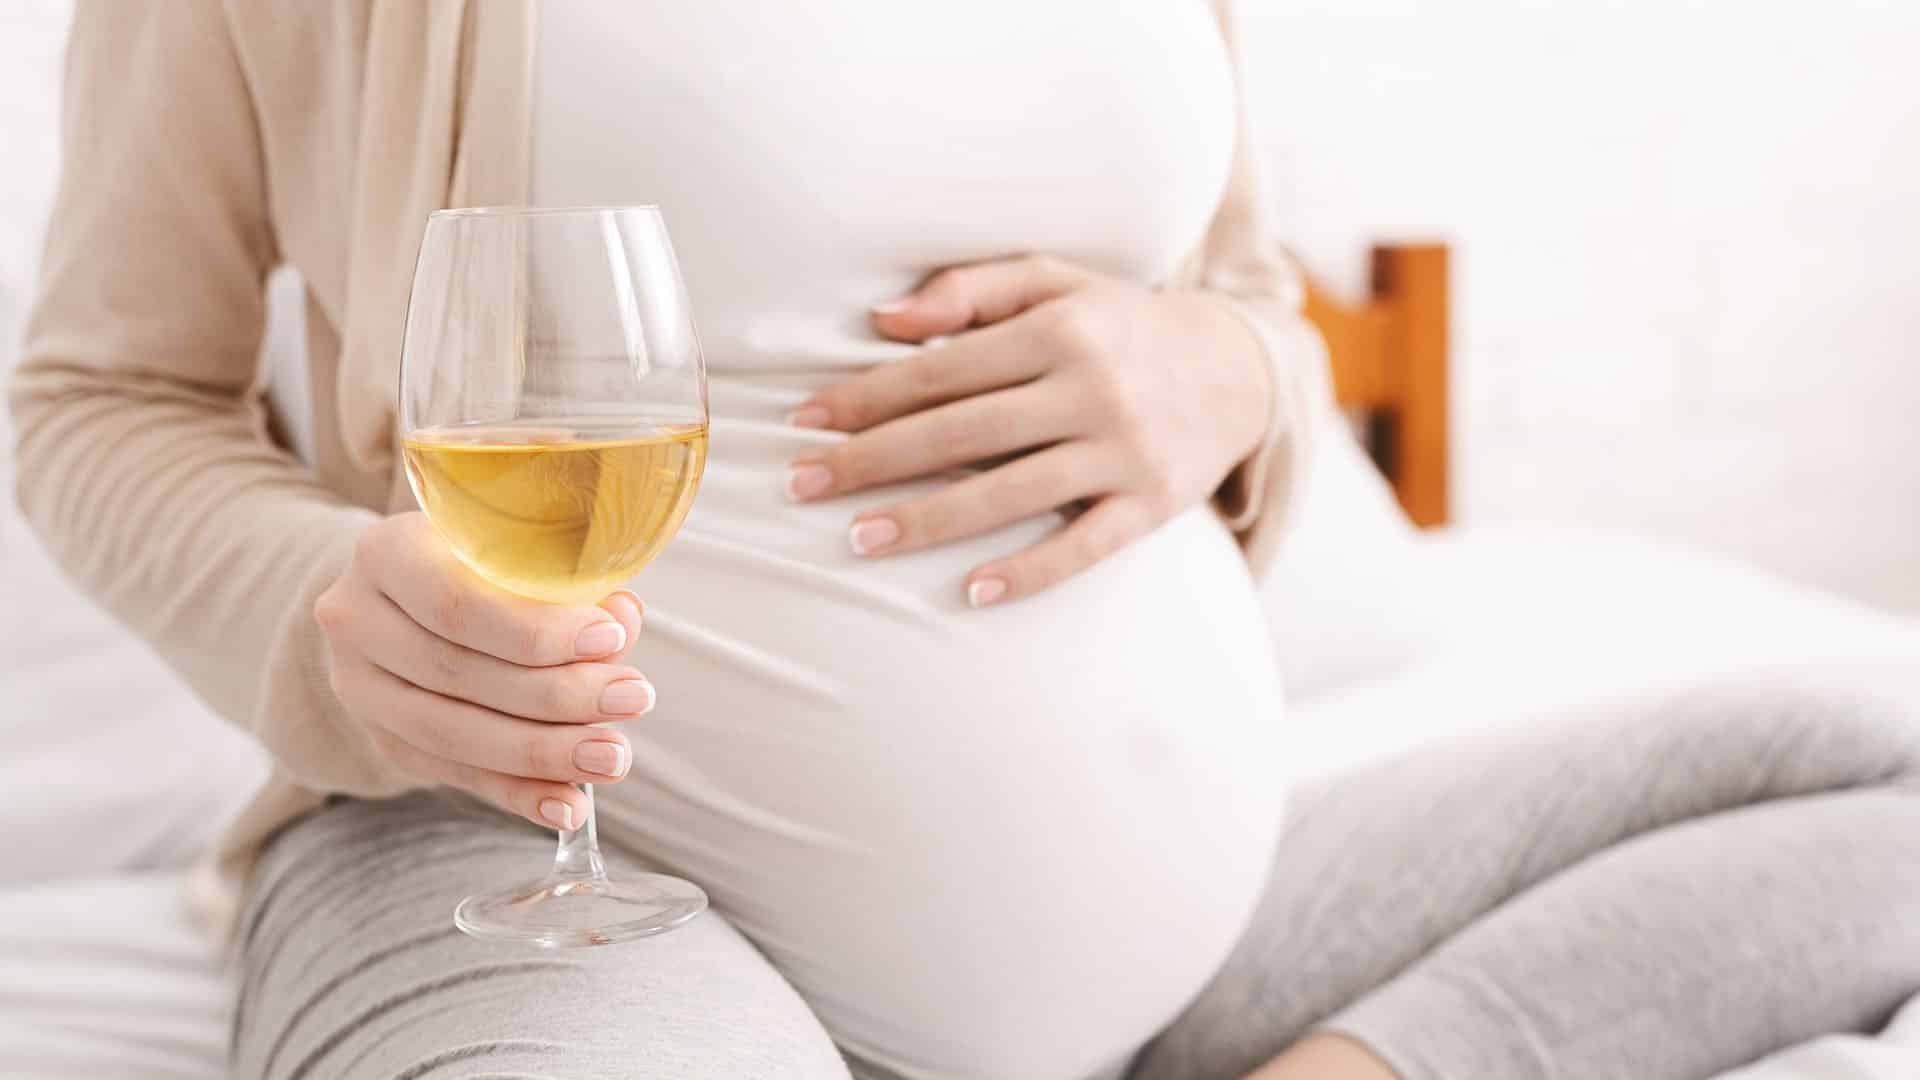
point(1411, 280)
point(1389, 358)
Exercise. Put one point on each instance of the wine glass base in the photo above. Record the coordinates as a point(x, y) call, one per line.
point(561, 912)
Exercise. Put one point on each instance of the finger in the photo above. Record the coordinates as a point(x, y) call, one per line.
point(583, 692)
point(547, 804)
point(436, 590)
point(976, 295)
point(1110, 525)
point(973, 364)
point(1029, 485)
point(473, 735)
point(959, 433)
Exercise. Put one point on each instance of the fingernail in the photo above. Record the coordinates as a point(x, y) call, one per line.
point(869, 536)
point(600, 639)
point(889, 307)
point(633, 600)
point(806, 481)
point(814, 416)
point(558, 813)
point(985, 591)
point(601, 758)
point(628, 697)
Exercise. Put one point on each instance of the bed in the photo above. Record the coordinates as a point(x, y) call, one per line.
point(1393, 629)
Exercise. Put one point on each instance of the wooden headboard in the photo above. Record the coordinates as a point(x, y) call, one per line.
point(1389, 357)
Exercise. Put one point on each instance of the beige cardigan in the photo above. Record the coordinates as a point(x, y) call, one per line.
point(207, 142)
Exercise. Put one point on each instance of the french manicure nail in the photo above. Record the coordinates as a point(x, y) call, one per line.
point(985, 591)
point(633, 600)
point(810, 416)
point(557, 812)
point(869, 536)
point(806, 481)
point(628, 697)
point(600, 639)
point(601, 758)
point(889, 307)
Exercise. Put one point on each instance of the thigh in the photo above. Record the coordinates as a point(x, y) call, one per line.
point(1379, 866)
point(352, 967)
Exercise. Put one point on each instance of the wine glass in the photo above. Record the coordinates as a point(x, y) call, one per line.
point(553, 401)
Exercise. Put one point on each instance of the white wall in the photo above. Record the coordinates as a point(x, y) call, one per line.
point(1688, 246)
point(31, 32)
point(1687, 252)
point(29, 77)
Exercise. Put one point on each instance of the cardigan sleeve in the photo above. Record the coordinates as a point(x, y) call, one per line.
point(1241, 261)
point(143, 455)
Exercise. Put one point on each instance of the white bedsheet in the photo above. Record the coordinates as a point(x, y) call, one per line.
point(104, 975)
point(1496, 625)
point(107, 977)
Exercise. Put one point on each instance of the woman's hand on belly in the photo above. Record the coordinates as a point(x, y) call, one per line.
point(1132, 401)
point(455, 681)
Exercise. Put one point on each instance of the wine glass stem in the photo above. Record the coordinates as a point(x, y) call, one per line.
point(578, 858)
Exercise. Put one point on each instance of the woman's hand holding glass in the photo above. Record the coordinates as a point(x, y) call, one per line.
point(1133, 402)
point(553, 414)
point(457, 681)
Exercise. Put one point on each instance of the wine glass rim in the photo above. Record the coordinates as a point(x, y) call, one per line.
point(543, 211)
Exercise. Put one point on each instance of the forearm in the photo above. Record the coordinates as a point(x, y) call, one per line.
point(166, 504)
point(1255, 497)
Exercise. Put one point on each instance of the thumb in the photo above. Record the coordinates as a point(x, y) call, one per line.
point(975, 295)
point(625, 606)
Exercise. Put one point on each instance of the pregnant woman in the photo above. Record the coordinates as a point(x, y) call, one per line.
point(965, 714)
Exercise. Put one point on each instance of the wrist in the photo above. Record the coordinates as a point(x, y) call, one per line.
point(1246, 361)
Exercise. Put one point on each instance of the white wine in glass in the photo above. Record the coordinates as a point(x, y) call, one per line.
point(554, 408)
point(563, 514)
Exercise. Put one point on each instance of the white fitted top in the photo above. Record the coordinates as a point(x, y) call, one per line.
point(1001, 843)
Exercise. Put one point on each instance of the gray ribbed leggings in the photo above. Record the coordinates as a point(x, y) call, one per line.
point(1662, 890)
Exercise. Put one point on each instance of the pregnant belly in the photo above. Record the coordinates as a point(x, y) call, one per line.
point(1008, 842)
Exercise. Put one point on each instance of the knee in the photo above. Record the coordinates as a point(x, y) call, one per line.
point(700, 1001)
point(703, 1001)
